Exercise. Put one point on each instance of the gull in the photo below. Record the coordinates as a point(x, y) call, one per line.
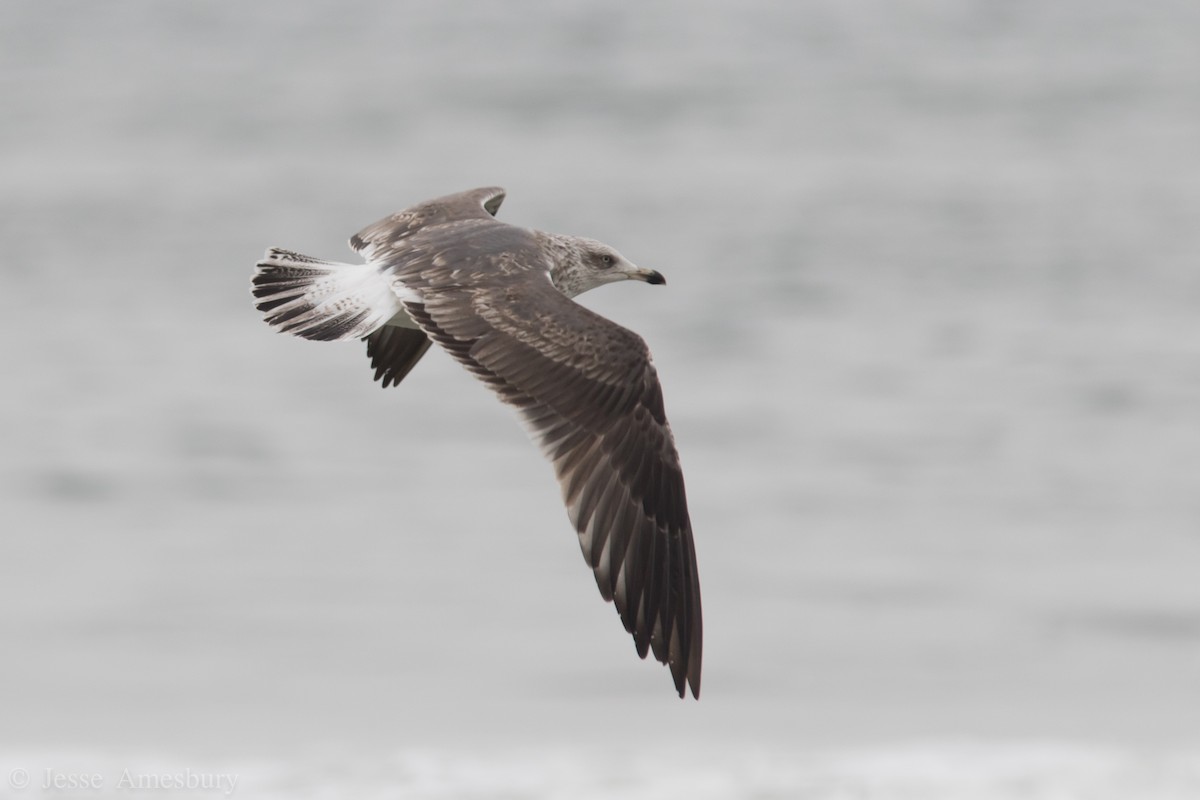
point(498, 298)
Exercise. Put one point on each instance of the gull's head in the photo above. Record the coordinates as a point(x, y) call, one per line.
point(585, 264)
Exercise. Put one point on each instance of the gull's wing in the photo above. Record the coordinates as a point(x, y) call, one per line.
point(375, 240)
point(394, 351)
point(589, 394)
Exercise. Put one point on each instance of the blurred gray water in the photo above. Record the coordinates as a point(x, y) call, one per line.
point(929, 346)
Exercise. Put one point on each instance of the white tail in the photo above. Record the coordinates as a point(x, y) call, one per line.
point(322, 300)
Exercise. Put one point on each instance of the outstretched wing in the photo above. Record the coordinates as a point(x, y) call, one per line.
point(394, 351)
point(589, 394)
point(377, 239)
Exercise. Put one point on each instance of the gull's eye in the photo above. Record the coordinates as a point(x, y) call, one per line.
point(607, 261)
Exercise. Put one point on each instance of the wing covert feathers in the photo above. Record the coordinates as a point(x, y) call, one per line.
point(387, 232)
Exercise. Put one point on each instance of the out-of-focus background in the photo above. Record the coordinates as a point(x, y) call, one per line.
point(930, 346)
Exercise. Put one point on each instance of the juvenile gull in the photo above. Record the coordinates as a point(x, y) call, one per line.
point(498, 299)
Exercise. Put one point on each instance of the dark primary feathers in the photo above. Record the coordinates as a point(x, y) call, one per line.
point(394, 352)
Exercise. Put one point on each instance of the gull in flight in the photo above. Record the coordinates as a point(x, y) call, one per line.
point(497, 298)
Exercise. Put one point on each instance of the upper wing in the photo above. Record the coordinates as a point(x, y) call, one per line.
point(393, 350)
point(588, 392)
point(384, 234)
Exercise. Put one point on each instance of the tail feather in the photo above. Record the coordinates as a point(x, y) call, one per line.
point(323, 300)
